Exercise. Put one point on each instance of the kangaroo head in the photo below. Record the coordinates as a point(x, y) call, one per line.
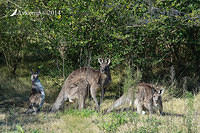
point(34, 75)
point(104, 65)
point(157, 97)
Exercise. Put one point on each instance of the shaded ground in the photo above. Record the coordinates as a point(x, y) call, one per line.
point(13, 103)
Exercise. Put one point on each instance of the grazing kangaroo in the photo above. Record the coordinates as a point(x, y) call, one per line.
point(148, 98)
point(83, 78)
point(37, 96)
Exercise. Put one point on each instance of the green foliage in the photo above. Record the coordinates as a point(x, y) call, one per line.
point(131, 80)
point(151, 125)
point(83, 113)
point(191, 126)
point(36, 131)
point(125, 31)
point(19, 129)
point(113, 123)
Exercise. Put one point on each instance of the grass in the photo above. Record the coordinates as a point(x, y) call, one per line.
point(182, 115)
point(45, 122)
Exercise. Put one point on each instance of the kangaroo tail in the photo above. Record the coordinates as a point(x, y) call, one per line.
point(117, 103)
point(59, 101)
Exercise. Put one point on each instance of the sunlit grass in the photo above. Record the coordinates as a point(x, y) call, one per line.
point(182, 115)
point(71, 120)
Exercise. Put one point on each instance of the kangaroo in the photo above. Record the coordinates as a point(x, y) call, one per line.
point(34, 101)
point(81, 79)
point(148, 98)
point(37, 96)
point(78, 90)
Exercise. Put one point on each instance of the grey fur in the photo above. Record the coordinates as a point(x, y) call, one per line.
point(37, 96)
point(76, 84)
point(34, 102)
point(148, 97)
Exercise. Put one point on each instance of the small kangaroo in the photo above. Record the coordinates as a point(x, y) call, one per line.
point(148, 98)
point(34, 101)
point(78, 90)
point(76, 84)
point(37, 96)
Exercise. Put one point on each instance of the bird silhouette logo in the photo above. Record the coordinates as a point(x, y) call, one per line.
point(14, 13)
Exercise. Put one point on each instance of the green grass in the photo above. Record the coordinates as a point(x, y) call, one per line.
point(177, 119)
point(182, 115)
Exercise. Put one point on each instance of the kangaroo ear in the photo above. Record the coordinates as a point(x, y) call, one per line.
point(108, 61)
point(100, 60)
point(154, 90)
point(161, 91)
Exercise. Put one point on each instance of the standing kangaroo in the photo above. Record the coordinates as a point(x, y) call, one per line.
point(37, 96)
point(83, 78)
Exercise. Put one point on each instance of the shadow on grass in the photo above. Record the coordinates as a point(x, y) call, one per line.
point(14, 93)
point(173, 114)
point(22, 119)
point(14, 96)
